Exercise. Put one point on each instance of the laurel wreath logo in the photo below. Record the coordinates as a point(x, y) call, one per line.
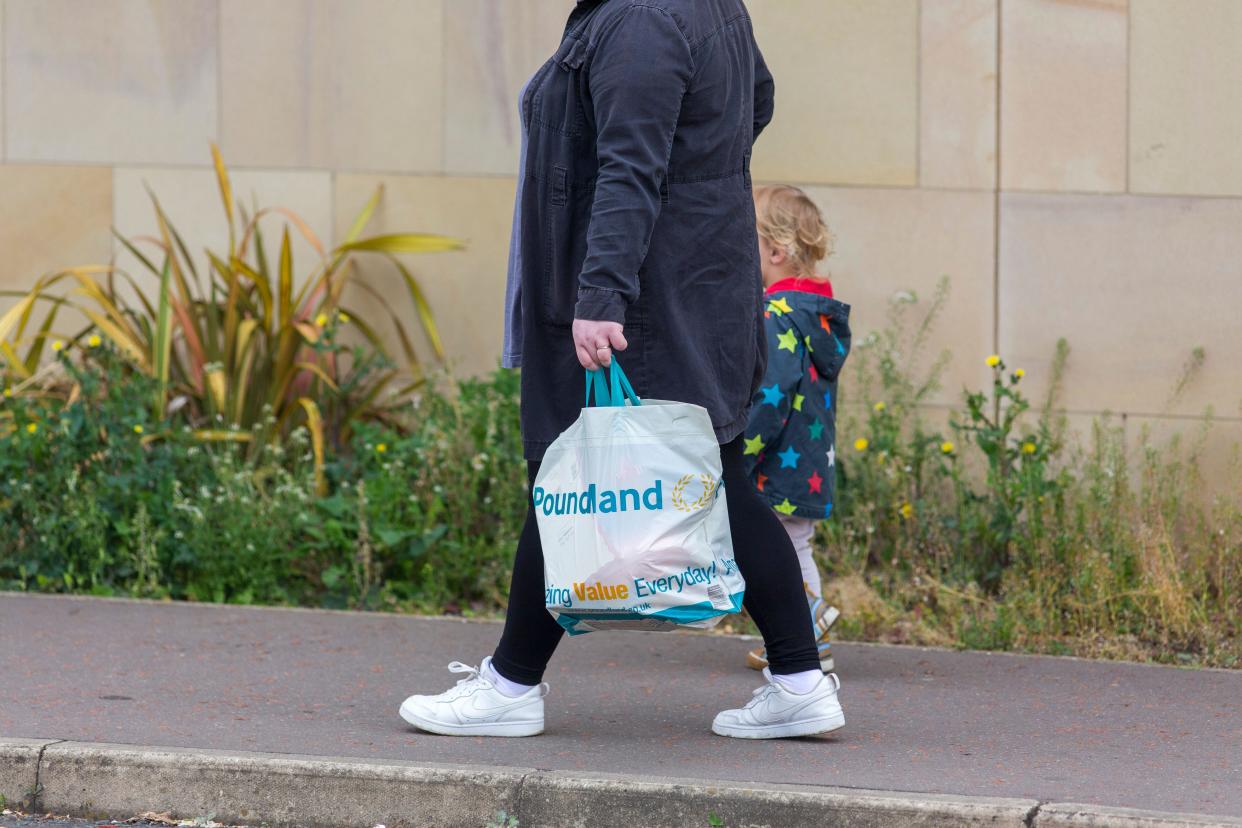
point(679, 493)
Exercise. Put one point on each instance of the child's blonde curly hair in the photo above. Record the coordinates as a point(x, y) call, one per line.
point(788, 219)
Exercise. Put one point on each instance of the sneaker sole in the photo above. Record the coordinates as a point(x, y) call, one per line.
point(809, 727)
point(480, 729)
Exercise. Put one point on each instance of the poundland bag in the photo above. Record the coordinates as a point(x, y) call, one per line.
point(632, 516)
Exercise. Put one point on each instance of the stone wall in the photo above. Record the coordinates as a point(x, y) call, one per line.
point(1073, 165)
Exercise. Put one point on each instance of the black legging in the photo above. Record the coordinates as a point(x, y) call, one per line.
point(774, 593)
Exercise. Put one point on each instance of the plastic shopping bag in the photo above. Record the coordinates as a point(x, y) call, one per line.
point(632, 516)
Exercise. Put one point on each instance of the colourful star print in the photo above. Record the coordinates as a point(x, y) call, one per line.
point(807, 341)
point(832, 456)
point(828, 509)
point(828, 399)
point(754, 445)
point(823, 323)
point(814, 373)
point(785, 507)
point(789, 458)
point(789, 341)
point(840, 347)
point(772, 395)
point(816, 429)
point(761, 481)
point(797, 403)
point(815, 483)
point(779, 307)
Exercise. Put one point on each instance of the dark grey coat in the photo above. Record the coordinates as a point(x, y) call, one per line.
point(637, 208)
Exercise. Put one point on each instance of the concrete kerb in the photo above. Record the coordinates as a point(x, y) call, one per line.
point(90, 779)
point(561, 798)
point(19, 769)
point(1076, 815)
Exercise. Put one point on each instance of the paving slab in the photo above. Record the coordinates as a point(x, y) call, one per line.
point(329, 684)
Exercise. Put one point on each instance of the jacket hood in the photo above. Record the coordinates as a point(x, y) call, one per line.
point(818, 323)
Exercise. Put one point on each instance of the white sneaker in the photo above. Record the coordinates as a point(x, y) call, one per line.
point(776, 713)
point(474, 707)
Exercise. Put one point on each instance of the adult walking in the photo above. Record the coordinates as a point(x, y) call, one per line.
point(635, 232)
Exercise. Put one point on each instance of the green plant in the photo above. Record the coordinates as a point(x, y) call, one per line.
point(947, 530)
point(97, 496)
point(1006, 533)
point(503, 819)
point(444, 502)
point(240, 341)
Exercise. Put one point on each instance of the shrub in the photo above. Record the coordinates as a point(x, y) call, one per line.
point(240, 341)
point(98, 497)
point(989, 528)
point(998, 531)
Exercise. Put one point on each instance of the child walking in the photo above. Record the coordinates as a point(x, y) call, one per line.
point(790, 439)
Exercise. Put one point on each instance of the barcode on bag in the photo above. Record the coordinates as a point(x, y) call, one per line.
point(716, 594)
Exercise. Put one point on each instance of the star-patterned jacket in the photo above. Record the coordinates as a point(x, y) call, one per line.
point(791, 436)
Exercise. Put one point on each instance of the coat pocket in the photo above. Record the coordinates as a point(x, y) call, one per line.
point(564, 243)
point(557, 103)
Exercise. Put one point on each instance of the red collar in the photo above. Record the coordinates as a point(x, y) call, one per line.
point(796, 283)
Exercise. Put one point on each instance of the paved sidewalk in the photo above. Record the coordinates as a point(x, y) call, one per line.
point(320, 683)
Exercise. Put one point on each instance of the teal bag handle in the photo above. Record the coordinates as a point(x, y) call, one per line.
point(613, 392)
point(621, 388)
point(595, 382)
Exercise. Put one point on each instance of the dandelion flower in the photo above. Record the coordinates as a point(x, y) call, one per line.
point(947, 447)
point(993, 360)
point(94, 341)
point(879, 406)
point(137, 428)
point(906, 511)
point(1019, 373)
point(861, 444)
point(31, 428)
point(58, 346)
point(321, 320)
point(342, 317)
point(1028, 447)
point(381, 448)
point(8, 392)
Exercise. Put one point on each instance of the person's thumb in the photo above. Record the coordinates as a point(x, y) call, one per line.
point(617, 340)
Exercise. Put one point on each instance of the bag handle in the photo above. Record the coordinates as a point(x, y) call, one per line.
point(612, 392)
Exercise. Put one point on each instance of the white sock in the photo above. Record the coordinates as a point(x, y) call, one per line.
point(799, 683)
point(509, 688)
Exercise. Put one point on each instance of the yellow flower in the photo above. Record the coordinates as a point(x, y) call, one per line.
point(879, 406)
point(31, 428)
point(906, 511)
point(861, 444)
point(321, 320)
point(58, 346)
point(137, 429)
point(1028, 447)
point(8, 392)
point(94, 341)
point(342, 317)
point(993, 360)
point(381, 448)
point(947, 447)
point(1019, 373)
